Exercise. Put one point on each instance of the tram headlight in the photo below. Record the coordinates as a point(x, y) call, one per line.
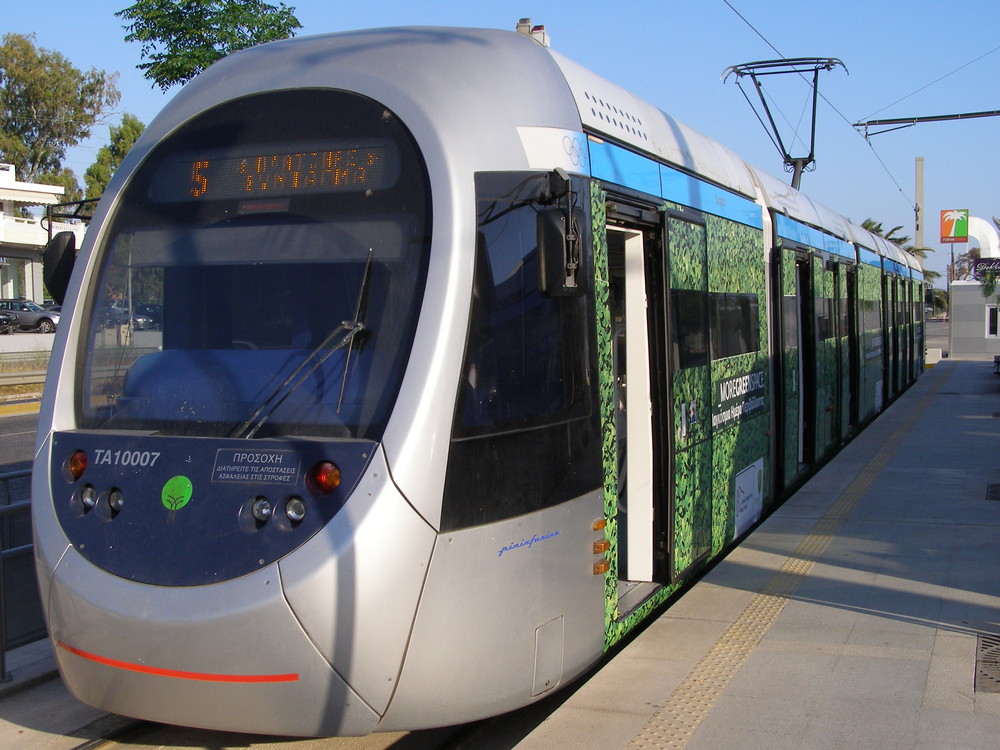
point(88, 496)
point(324, 478)
point(261, 509)
point(116, 500)
point(295, 509)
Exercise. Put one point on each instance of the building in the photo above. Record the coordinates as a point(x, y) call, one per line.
point(974, 333)
point(974, 317)
point(22, 240)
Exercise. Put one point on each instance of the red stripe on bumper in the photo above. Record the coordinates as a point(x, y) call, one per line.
point(179, 674)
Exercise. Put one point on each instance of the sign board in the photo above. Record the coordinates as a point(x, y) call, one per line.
point(983, 266)
point(955, 225)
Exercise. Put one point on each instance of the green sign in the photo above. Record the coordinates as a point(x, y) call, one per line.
point(176, 493)
point(955, 225)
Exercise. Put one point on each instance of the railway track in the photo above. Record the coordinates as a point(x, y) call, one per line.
point(47, 717)
point(146, 735)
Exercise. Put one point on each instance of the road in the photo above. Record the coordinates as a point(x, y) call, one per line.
point(17, 441)
point(937, 334)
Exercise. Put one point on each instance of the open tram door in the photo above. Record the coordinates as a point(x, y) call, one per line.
point(641, 406)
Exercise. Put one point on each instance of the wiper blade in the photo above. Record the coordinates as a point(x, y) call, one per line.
point(358, 310)
point(313, 361)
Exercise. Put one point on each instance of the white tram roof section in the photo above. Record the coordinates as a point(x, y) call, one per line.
point(609, 109)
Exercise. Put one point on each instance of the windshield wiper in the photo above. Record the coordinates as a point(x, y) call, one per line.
point(313, 361)
point(358, 308)
point(341, 336)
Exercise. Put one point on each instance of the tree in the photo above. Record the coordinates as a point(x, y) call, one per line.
point(903, 243)
point(109, 157)
point(46, 107)
point(64, 178)
point(962, 269)
point(875, 227)
point(180, 38)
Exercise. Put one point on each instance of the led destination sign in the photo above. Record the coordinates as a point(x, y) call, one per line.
point(289, 172)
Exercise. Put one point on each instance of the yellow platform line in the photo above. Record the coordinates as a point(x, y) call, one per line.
point(26, 407)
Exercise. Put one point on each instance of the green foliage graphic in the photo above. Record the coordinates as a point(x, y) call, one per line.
point(872, 343)
point(706, 254)
point(826, 367)
point(609, 438)
point(792, 376)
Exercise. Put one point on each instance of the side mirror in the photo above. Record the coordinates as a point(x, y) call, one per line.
point(559, 252)
point(57, 264)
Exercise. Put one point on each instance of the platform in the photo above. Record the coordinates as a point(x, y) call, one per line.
point(851, 618)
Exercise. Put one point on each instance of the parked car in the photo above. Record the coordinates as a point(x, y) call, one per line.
point(117, 315)
point(30, 317)
point(8, 321)
point(152, 311)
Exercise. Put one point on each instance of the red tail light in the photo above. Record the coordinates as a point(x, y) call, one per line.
point(77, 464)
point(324, 478)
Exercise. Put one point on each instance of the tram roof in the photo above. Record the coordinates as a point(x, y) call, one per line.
point(611, 110)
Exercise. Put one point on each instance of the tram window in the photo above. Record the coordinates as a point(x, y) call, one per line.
point(526, 433)
point(251, 295)
point(824, 319)
point(871, 314)
point(790, 320)
point(735, 324)
point(845, 320)
point(690, 324)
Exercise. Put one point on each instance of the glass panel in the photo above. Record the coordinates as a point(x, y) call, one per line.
point(243, 291)
point(735, 324)
point(526, 432)
point(690, 330)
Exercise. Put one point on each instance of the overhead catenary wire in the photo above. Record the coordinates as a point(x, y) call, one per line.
point(928, 85)
point(911, 202)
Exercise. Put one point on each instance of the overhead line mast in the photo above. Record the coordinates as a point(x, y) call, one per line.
point(906, 122)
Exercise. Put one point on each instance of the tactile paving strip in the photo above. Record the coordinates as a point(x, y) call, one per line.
point(676, 721)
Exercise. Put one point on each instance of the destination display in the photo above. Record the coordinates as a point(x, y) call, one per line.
point(259, 173)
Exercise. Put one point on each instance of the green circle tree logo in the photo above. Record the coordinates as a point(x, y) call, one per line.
point(176, 493)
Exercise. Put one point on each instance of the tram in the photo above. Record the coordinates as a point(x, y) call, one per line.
point(463, 360)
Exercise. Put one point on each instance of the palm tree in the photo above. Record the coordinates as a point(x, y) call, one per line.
point(903, 243)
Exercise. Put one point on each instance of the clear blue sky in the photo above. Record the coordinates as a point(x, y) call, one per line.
point(673, 54)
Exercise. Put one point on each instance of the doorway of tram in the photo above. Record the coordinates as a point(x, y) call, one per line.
point(641, 403)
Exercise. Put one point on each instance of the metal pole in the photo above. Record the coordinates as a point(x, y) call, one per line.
point(918, 234)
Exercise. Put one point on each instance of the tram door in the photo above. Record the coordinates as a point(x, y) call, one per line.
point(634, 256)
point(807, 355)
point(853, 379)
point(892, 324)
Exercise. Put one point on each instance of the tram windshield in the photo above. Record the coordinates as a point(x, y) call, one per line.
point(262, 274)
